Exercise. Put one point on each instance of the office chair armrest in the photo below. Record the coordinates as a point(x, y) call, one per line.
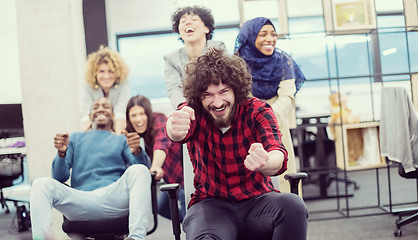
point(294, 179)
point(154, 202)
point(172, 189)
point(294, 176)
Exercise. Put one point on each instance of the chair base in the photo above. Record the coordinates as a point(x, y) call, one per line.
point(3, 202)
point(402, 222)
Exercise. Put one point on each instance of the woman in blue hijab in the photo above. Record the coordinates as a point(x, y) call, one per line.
point(276, 77)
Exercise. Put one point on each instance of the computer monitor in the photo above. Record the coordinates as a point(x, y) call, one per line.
point(11, 120)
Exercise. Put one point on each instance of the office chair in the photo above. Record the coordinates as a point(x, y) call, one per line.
point(171, 189)
point(11, 168)
point(317, 145)
point(398, 139)
point(116, 228)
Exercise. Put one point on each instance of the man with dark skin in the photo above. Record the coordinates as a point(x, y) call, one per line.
point(109, 178)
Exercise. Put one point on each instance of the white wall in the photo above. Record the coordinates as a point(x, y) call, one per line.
point(52, 56)
point(10, 88)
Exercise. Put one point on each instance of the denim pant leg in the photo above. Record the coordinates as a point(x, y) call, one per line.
point(134, 189)
point(47, 193)
point(131, 193)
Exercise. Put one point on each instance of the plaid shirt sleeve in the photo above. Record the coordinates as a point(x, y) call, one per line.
point(161, 141)
point(269, 133)
point(173, 164)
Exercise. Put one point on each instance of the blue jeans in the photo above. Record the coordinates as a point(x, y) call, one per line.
point(130, 194)
point(164, 204)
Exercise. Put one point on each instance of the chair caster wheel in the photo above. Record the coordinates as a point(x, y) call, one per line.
point(397, 233)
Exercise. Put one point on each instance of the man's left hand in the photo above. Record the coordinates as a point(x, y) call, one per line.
point(256, 158)
point(133, 141)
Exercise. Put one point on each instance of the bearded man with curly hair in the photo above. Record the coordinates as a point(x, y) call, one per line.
point(234, 143)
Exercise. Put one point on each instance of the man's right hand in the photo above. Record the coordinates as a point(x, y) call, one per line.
point(178, 124)
point(61, 141)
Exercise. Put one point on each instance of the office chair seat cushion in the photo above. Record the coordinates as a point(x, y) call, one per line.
point(402, 173)
point(114, 225)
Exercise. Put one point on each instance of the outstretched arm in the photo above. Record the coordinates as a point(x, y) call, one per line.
point(178, 124)
point(158, 160)
point(258, 159)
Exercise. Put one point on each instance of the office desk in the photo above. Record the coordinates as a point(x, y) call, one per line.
point(10, 151)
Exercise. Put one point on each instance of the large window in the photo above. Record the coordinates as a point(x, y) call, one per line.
point(354, 64)
point(145, 52)
point(144, 55)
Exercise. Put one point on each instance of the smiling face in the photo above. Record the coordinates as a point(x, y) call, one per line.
point(266, 40)
point(102, 114)
point(192, 28)
point(105, 76)
point(219, 103)
point(138, 119)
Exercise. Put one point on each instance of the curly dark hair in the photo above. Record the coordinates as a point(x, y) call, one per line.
point(204, 14)
point(215, 67)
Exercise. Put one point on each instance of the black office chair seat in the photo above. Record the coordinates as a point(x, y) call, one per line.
point(101, 229)
point(114, 228)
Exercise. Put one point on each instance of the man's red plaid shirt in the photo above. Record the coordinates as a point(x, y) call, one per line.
point(218, 158)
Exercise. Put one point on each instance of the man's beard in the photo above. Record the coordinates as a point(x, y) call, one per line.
point(224, 121)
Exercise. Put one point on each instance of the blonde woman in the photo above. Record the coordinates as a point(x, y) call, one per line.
point(106, 76)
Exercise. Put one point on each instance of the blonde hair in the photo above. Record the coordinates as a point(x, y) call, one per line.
point(109, 57)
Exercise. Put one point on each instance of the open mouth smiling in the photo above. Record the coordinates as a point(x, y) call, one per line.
point(190, 30)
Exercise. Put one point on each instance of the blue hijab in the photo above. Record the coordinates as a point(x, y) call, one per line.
point(267, 71)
